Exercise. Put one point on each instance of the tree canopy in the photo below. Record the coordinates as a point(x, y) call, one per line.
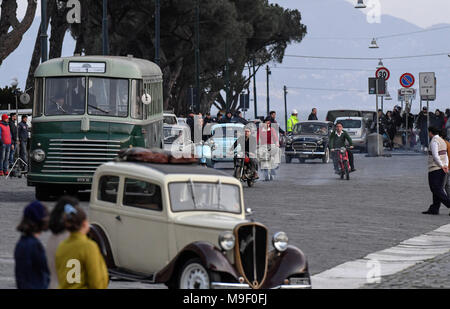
point(233, 35)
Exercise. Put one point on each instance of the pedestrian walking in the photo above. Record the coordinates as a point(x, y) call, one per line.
point(422, 126)
point(23, 139)
point(79, 263)
point(58, 234)
point(313, 115)
point(31, 270)
point(438, 168)
point(5, 145)
point(444, 136)
point(292, 121)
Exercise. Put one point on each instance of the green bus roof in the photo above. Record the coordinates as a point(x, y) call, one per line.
point(116, 67)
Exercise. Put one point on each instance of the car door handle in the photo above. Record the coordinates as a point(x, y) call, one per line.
point(118, 218)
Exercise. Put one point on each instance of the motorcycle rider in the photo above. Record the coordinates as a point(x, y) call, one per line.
point(337, 140)
point(245, 140)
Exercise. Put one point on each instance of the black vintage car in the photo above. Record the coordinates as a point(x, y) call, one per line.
point(309, 140)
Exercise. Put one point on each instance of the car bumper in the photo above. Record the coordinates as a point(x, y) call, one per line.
point(306, 153)
point(244, 286)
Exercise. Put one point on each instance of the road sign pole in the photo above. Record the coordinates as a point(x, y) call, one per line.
point(382, 104)
point(407, 124)
point(428, 121)
point(378, 122)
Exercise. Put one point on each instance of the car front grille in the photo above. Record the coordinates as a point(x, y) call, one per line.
point(73, 156)
point(304, 146)
point(251, 253)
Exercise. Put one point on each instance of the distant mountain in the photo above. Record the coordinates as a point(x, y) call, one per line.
point(339, 19)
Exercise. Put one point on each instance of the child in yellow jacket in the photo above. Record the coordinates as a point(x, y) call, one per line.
point(78, 260)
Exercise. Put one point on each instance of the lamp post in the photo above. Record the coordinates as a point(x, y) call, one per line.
point(157, 32)
point(197, 53)
point(285, 106)
point(360, 5)
point(44, 51)
point(268, 73)
point(255, 96)
point(105, 28)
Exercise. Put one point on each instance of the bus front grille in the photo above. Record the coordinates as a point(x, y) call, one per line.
point(70, 156)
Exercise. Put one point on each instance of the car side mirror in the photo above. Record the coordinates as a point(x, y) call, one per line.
point(249, 212)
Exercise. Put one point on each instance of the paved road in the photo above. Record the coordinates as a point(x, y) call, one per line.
point(332, 221)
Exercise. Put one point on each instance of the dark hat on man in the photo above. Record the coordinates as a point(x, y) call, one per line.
point(35, 211)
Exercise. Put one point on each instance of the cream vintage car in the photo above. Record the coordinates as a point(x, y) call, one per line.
point(185, 226)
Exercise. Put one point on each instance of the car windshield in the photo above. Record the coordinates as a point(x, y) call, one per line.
point(351, 124)
point(227, 131)
point(65, 96)
point(170, 120)
point(108, 97)
point(173, 134)
point(311, 128)
point(333, 115)
point(205, 196)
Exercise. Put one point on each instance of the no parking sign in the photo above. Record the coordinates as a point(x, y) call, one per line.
point(407, 80)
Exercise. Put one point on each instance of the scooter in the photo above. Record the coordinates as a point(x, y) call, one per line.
point(343, 162)
point(243, 170)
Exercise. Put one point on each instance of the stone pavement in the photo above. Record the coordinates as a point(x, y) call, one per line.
point(434, 274)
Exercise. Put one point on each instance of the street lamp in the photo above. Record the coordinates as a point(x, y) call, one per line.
point(380, 64)
point(14, 85)
point(360, 5)
point(373, 44)
point(268, 73)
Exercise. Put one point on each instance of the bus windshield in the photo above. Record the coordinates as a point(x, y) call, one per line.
point(108, 97)
point(65, 96)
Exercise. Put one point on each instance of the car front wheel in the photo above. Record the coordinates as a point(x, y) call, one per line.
point(194, 276)
point(326, 157)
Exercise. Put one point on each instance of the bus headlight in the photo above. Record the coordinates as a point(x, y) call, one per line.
point(280, 241)
point(38, 155)
point(226, 241)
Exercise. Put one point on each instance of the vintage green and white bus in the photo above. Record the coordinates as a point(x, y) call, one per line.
point(86, 109)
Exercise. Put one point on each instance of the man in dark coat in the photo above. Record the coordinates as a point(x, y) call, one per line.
point(422, 125)
point(313, 115)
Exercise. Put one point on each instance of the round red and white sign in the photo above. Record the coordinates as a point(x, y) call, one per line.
point(383, 73)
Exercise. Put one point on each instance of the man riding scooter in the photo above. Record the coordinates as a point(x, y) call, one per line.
point(337, 141)
point(245, 141)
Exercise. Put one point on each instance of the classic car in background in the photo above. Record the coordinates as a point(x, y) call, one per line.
point(222, 139)
point(309, 140)
point(357, 129)
point(188, 229)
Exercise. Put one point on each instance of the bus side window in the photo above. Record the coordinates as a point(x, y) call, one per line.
point(136, 101)
point(38, 103)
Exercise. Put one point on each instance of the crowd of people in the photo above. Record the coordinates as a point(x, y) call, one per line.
point(13, 140)
point(396, 121)
point(70, 260)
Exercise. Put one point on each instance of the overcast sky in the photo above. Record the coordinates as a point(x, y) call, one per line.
point(423, 13)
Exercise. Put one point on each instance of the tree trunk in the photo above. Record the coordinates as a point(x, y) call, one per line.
point(11, 40)
point(36, 57)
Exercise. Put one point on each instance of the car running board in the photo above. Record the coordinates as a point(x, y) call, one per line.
point(118, 274)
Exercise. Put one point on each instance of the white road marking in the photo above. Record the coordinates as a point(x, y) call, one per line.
point(373, 267)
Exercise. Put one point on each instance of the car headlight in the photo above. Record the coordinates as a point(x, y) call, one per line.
point(320, 142)
point(280, 241)
point(226, 241)
point(38, 155)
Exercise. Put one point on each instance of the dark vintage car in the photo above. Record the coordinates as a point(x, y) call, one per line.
point(309, 140)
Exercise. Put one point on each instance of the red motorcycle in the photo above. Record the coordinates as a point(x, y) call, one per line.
point(343, 162)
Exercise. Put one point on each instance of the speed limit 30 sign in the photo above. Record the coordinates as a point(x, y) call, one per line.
point(383, 73)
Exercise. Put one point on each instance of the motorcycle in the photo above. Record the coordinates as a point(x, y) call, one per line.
point(243, 170)
point(343, 162)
